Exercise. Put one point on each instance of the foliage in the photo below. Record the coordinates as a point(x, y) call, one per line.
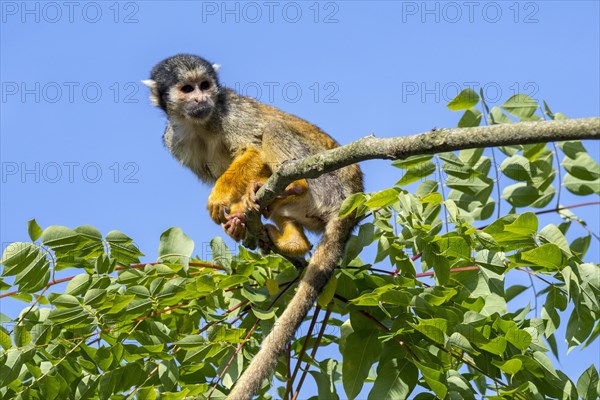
point(184, 327)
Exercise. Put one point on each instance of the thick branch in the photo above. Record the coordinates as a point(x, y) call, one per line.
point(435, 141)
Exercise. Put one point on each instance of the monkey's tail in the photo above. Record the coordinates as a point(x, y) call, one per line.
point(319, 271)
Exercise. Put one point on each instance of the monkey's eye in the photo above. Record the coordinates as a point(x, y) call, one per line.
point(187, 89)
point(204, 85)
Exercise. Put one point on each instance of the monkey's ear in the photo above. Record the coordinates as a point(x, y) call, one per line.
point(153, 90)
point(216, 67)
point(150, 83)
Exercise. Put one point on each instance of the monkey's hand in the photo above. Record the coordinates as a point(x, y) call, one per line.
point(235, 226)
point(218, 207)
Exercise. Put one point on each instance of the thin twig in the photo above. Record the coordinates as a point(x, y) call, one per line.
point(313, 352)
point(305, 344)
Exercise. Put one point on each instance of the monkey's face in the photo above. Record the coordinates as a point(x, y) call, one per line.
point(185, 86)
point(193, 99)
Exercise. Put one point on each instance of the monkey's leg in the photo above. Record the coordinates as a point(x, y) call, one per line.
point(288, 236)
point(233, 184)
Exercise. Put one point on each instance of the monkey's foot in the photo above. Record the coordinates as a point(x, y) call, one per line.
point(235, 226)
point(290, 242)
point(293, 189)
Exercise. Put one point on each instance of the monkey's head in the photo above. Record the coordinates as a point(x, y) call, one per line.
point(185, 86)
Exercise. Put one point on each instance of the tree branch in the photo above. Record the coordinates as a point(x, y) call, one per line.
point(435, 141)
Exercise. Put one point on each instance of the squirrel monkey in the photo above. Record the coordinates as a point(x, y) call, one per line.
point(235, 143)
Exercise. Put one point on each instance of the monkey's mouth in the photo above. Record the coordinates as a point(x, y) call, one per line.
point(200, 111)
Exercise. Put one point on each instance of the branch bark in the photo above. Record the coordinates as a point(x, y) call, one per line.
point(435, 141)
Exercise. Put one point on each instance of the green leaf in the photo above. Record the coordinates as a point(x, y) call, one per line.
point(580, 187)
point(587, 384)
point(458, 386)
point(432, 328)
point(545, 363)
point(495, 346)
point(582, 166)
point(520, 194)
point(122, 248)
point(107, 384)
point(34, 230)
point(466, 99)
point(498, 117)
point(264, 315)
point(514, 229)
point(581, 245)
point(511, 367)
point(168, 373)
point(351, 203)
point(551, 234)
point(325, 379)
point(221, 254)
point(579, 327)
point(17, 256)
point(328, 292)
point(86, 387)
point(230, 281)
point(79, 284)
point(440, 265)
point(458, 340)
point(64, 301)
point(414, 174)
point(60, 238)
point(453, 246)
point(521, 106)
point(255, 296)
point(94, 296)
point(518, 168)
point(384, 198)
point(434, 377)
point(519, 338)
point(547, 256)
point(105, 265)
point(175, 246)
point(426, 188)
point(5, 341)
point(412, 161)
point(547, 110)
point(396, 379)
point(362, 349)
point(514, 291)
point(470, 118)
point(191, 342)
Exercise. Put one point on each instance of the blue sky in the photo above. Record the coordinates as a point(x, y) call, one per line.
point(80, 143)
